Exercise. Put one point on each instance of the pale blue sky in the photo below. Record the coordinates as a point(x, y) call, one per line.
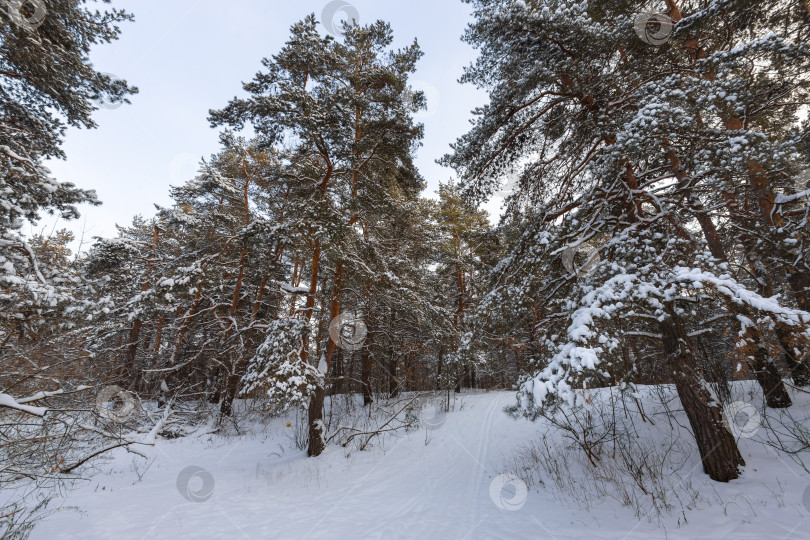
point(189, 56)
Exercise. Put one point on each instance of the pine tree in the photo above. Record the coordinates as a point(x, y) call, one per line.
point(48, 83)
point(342, 108)
point(746, 122)
point(463, 230)
point(585, 116)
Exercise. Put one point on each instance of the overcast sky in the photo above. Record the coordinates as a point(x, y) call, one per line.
point(189, 56)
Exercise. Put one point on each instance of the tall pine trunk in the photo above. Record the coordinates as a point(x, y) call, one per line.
point(316, 427)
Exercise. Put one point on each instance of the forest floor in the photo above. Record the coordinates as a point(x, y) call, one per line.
point(417, 484)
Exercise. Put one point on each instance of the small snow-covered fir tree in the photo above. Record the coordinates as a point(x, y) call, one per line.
point(279, 369)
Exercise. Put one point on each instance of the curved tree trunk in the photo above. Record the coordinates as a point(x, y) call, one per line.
point(718, 450)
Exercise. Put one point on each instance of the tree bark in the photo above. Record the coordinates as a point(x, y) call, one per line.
point(439, 368)
point(798, 369)
point(309, 306)
point(316, 427)
point(231, 387)
point(132, 374)
point(718, 450)
point(365, 368)
point(393, 381)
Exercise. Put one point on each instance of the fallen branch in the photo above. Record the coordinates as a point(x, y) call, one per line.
point(381, 429)
point(152, 435)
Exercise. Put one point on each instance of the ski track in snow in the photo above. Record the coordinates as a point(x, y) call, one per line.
point(477, 484)
point(265, 488)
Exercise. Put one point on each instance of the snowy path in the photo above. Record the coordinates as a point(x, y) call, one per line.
point(258, 488)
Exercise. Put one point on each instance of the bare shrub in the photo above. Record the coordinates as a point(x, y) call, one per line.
point(596, 453)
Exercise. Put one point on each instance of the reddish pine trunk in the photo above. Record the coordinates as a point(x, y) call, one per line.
point(316, 429)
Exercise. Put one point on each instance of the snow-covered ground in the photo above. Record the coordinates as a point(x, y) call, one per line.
point(440, 483)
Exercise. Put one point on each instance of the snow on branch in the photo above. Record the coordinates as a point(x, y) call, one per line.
point(40, 396)
point(290, 289)
point(11, 403)
point(741, 295)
